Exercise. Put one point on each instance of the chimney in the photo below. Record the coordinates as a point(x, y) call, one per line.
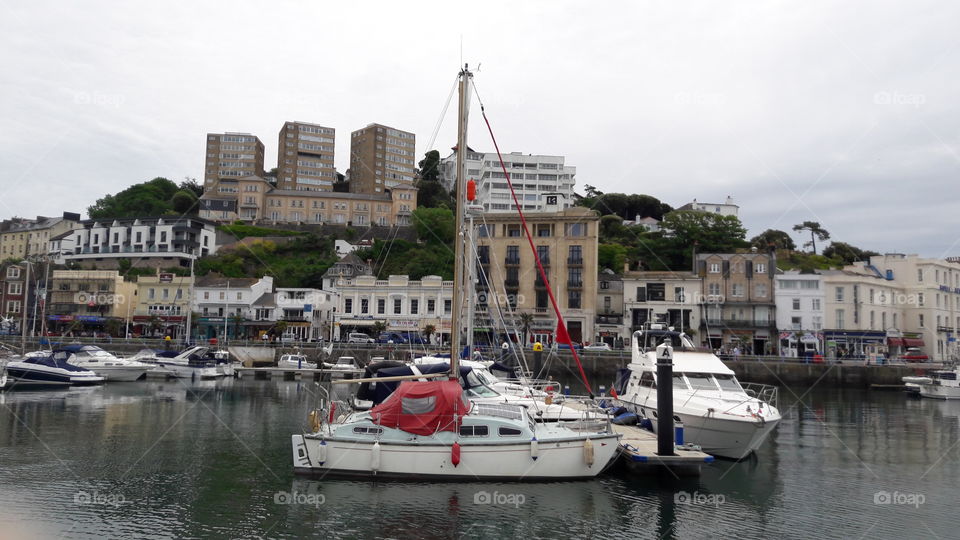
point(626, 266)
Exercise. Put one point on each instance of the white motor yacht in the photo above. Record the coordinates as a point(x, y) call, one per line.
point(718, 414)
point(193, 363)
point(944, 384)
point(343, 363)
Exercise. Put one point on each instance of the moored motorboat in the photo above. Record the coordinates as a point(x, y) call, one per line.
point(52, 370)
point(193, 363)
point(719, 414)
point(944, 384)
point(295, 361)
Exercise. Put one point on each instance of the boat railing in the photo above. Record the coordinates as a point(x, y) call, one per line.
point(764, 392)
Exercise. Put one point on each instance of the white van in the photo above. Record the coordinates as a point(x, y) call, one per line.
point(359, 337)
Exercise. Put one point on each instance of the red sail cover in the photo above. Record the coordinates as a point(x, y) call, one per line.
point(423, 408)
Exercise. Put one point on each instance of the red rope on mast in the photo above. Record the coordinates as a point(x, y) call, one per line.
point(561, 325)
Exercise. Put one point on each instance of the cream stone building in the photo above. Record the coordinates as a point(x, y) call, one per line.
point(305, 157)
point(22, 238)
point(738, 299)
point(566, 242)
point(254, 200)
point(88, 300)
point(231, 156)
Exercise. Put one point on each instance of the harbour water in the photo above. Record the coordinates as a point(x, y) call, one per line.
point(212, 459)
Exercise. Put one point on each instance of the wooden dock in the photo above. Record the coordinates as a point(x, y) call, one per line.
point(638, 448)
point(289, 374)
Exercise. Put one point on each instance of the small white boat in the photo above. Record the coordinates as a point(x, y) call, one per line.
point(718, 414)
point(944, 384)
point(344, 363)
point(53, 370)
point(429, 430)
point(913, 383)
point(295, 361)
point(101, 362)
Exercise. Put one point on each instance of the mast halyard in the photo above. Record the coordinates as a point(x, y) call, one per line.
point(459, 275)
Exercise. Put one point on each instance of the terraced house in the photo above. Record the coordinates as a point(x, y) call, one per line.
point(738, 299)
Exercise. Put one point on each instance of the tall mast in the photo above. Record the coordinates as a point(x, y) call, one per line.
point(186, 340)
point(459, 287)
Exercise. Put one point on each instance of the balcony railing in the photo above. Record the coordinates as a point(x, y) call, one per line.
point(511, 282)
point(575, 283)
point(512, 260)
point(740, 323)
point(575, 261)
point(944, 329)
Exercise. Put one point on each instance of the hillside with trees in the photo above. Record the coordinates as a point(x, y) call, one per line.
point(158, 197)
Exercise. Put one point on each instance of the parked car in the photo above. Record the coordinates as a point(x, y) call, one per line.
point(359, 337)
point(414, 338)
point(564, 346)
point(388, 337)
point(914, 354)
point(597, 347)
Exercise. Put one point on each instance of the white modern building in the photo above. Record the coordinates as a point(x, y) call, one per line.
point(146, 242)
point(307, 312)
point(535, 178)
point(726, 208)
point(671, 298)
point(800, 303)
point(235, 307)
point(399, 303)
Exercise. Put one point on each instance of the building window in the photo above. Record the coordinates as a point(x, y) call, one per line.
point(364, 305)
point(815, 304)
point(447, 307)
point(543, 252)
point(920, 275)
point(397, 306)
point(151, 294)
point(921, 320)
point(839, 294)
point(760, 268)
point(13, 272)
point(714, 268)
point(760, 289)
point(795, 323)
point(737, 290)
point(575, 254)
point(573, 299)
point(431, 306)
point(920, 300)
point(13, 306)
point(678, 295)
point(796, 304)
point(14, 288)
point(839, 319)
point(348, 305)
point(713, 289)
point(414, 306)
point(381, 306)
point(576, 229)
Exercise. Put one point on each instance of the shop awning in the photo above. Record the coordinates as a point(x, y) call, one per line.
point(912, 342)
point(895, 342)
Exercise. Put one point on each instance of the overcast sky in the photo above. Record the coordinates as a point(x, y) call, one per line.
point(844, 113)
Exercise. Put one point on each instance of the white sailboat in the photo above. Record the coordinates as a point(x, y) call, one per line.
point(718, 414)
point(428, 429)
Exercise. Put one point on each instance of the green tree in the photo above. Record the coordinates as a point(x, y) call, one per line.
point(773, 238)
point(434, 225)
point(153, 198)
point(526, 321)
point(681, 231)
point(184, 201)
point(847, 253)
point(378, 328)
point(429, 167)
point(191, 185)
point(431, 192)
point(816, 233)
point(612, 256)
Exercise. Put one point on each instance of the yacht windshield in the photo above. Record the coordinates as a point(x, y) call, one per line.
point(678, 382)
point(728, 383)
point(474, 387)
point(701, 381)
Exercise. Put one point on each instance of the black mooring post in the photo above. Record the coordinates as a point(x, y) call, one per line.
point(665, 444)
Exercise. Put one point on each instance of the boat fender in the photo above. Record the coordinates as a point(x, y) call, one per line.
point(375, 457)
point(333, 410)
point(314, 419)
point(534, 448)
point(588, 452)
point(455, 454)
point(323, 452)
